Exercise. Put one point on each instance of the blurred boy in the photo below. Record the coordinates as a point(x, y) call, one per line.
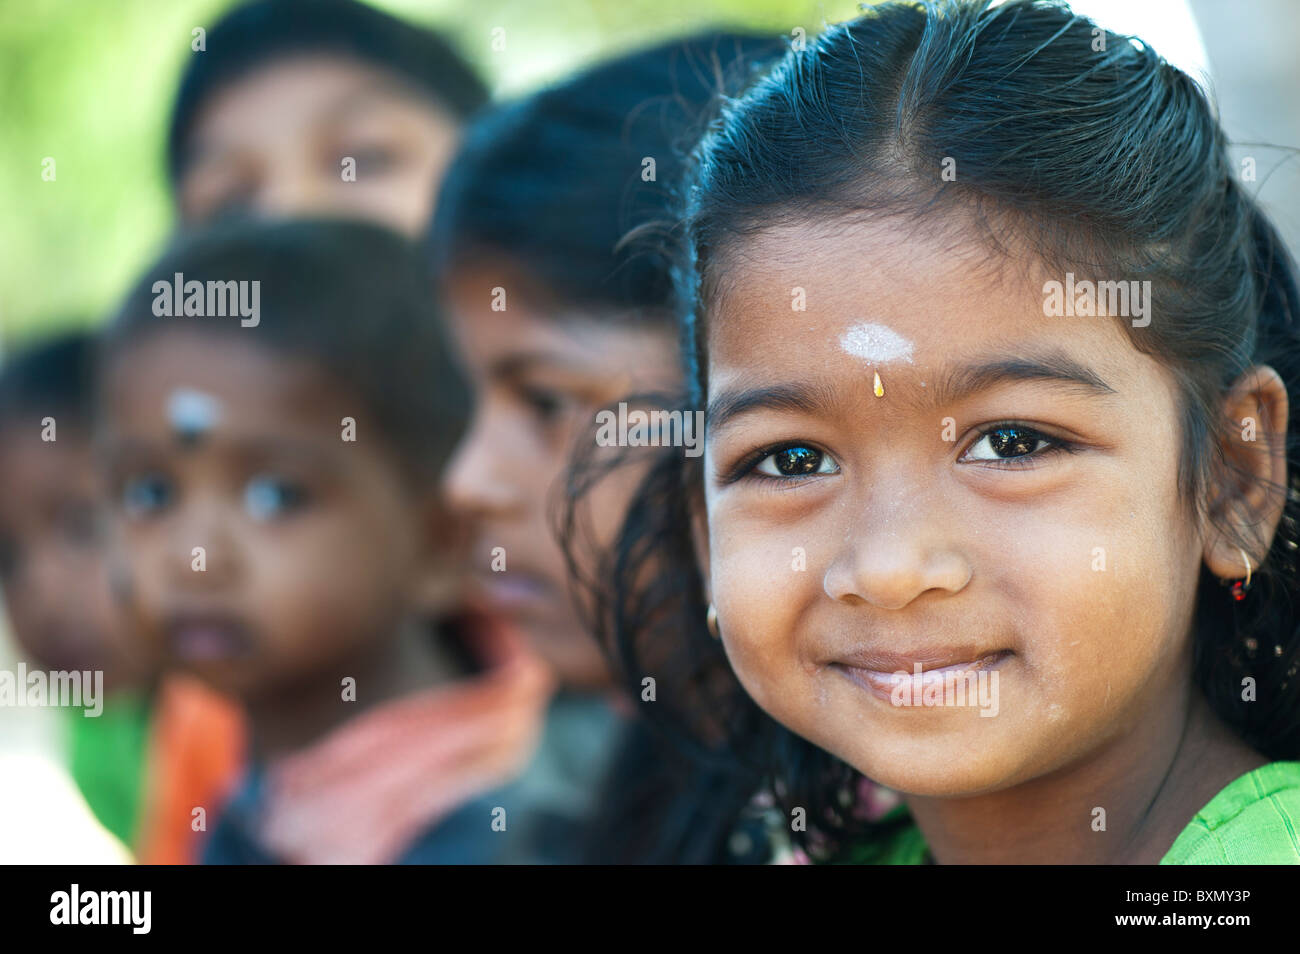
point(318, 107)
point(275, 486)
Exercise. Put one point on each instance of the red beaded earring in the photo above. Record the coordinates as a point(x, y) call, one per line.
point(1240, 587)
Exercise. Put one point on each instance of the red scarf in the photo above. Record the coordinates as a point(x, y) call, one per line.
point(196, 754)
point(363, 793)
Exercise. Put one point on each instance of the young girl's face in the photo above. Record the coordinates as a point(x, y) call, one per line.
point(539, 379)
point(309, 542)
point(277, 142)
point(1007, 508)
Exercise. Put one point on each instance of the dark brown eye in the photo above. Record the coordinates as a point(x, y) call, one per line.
point(1007, 442)
point(796, 461)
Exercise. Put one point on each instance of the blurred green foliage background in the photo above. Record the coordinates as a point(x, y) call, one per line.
point(89, 84)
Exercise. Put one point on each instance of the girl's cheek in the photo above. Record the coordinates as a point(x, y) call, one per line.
point(757, 594)
point(1100, 624)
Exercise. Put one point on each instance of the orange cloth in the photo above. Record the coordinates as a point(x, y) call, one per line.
point(195, 758)
point(369, 788)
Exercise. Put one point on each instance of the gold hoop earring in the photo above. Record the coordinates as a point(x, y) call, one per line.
point(711, 622)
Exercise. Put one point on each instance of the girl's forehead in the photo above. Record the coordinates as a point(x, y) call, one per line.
point(884, 297)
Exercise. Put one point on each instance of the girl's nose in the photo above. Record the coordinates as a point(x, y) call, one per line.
point(483, 477)
point(895, 553)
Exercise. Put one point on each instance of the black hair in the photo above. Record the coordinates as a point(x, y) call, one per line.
point(1100, 156)
point(352, 297)
point(260, 31)
point(50, 376)
point(555, 182)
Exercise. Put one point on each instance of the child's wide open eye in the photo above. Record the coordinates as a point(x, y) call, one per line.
point(796, 460)
point(1011, 442)
point(267, 497)
point(146, 494)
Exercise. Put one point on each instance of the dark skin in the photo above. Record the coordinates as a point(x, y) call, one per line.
point(52, 560)
point(973, 550)
point(320, 553)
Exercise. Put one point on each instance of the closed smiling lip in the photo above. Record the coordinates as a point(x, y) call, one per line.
point(876, 670)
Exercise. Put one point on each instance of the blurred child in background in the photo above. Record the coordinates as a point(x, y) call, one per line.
point(559, 316)
point(302, 107)
point(125, 758)
point(276, 487)
point(317, 107)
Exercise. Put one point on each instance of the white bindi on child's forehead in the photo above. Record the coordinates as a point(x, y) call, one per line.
point(876, 344)
point(192, 414)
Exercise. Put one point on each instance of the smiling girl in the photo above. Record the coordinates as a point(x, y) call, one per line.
point(914, 475)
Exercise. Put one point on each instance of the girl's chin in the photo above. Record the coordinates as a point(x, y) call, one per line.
point(960, 765)
point(940, 783)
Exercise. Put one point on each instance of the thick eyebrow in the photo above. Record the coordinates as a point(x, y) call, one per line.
point(792, 396)
point(951, 387)
point(1055, 367)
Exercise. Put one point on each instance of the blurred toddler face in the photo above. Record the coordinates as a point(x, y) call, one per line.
point(312, 546)
point(52, 556)
point(275, 142)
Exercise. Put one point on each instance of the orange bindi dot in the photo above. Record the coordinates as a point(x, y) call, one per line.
point(878, 388)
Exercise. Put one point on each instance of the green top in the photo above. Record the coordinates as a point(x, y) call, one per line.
point(107, 760)
point(1255, 820)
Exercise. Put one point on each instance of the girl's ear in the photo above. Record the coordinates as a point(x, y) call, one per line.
point(1250, 491)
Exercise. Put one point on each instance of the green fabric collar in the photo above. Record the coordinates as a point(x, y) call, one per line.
point(1255, 819)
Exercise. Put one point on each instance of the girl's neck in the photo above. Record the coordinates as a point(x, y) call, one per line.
point(1150, 783)
point(417, 657)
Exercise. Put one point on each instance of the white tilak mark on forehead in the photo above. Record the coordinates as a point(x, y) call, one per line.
point(191, 412)
point(876, 343)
